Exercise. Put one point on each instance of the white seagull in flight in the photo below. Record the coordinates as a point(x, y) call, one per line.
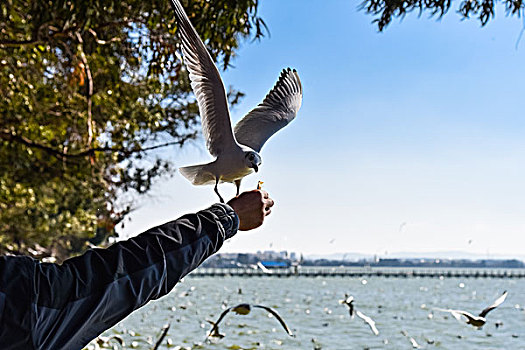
point(480, 320)
point(236, 150)
point(371, 323)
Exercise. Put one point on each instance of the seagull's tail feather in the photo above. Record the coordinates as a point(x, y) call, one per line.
point(198, 174)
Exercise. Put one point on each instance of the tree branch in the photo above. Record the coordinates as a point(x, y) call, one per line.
point(18, 43)
point(90, 88)
point(35, 40)
point(100, 41)
point(11, 136)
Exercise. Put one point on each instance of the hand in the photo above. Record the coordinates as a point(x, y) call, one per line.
point(251, 208)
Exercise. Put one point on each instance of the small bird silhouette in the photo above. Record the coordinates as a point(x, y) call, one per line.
point(348, 301)
point(414, 343)
point(214, 331)
point(245, 309)
point(102, 341)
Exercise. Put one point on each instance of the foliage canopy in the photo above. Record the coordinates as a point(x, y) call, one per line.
point(88, 88)
point(483, 10)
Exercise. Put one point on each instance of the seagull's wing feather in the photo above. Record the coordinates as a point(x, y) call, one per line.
point(216, 324)
point(415, 345)
point(458, 313)
point(207, 86)
point(351, 309)
point(368, 321)
point(497, 303)
point(276, 315)
point(278, 109)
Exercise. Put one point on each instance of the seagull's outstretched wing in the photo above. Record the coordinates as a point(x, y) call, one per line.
point(414, 343)
point(215, 328)
point(368, 321)
point(458, 313)
point(276, 315)
point(348, 301)
point(497, 303)
point(351, 309)
point(277, 110)
point(207, 86)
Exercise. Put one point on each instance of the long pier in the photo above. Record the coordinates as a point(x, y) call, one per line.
point(387, 272)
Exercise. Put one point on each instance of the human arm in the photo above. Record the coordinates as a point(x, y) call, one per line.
point(65, 306)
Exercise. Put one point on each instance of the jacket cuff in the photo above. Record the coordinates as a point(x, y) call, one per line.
point(228, 218)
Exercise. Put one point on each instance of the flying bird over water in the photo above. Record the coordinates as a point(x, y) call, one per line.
point(244, 309)
point(371, 323)
point(214, 333)
point(102, 341)
point(476, 321)
point(236, 150)
point(414, 343)
point(348, 301)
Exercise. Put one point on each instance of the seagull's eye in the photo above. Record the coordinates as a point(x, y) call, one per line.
point(251, 157)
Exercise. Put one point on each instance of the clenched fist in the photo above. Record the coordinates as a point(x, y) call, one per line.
point(251, 208)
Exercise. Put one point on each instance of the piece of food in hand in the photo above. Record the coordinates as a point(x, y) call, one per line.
point(259, 184)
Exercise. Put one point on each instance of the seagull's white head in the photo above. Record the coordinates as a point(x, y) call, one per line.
point(252, 160)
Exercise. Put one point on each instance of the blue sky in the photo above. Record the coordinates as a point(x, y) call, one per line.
point(422, 124)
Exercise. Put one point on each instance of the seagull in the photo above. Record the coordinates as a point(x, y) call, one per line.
point(476, 321)
point(317, 345)
point(429, 341)
point(244, 309)
point(236, 150)
point(214, 331)
point(368, 321)
point(414, 343)
point(348, 301)
point(103, 342)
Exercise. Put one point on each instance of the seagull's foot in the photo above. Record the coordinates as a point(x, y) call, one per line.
point(217, 191)
point(238, 185)
point(220, 197)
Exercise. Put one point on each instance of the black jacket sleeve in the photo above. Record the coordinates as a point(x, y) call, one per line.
point(50, 306)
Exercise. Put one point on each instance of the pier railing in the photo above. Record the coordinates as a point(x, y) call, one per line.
point(307, 271)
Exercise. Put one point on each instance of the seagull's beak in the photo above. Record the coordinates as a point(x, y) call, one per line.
point(255, 167)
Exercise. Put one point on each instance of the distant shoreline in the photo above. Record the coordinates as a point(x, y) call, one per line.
point(361, 272)
point(273, 259)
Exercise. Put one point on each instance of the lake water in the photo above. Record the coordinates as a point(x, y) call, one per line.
point(311, 309)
